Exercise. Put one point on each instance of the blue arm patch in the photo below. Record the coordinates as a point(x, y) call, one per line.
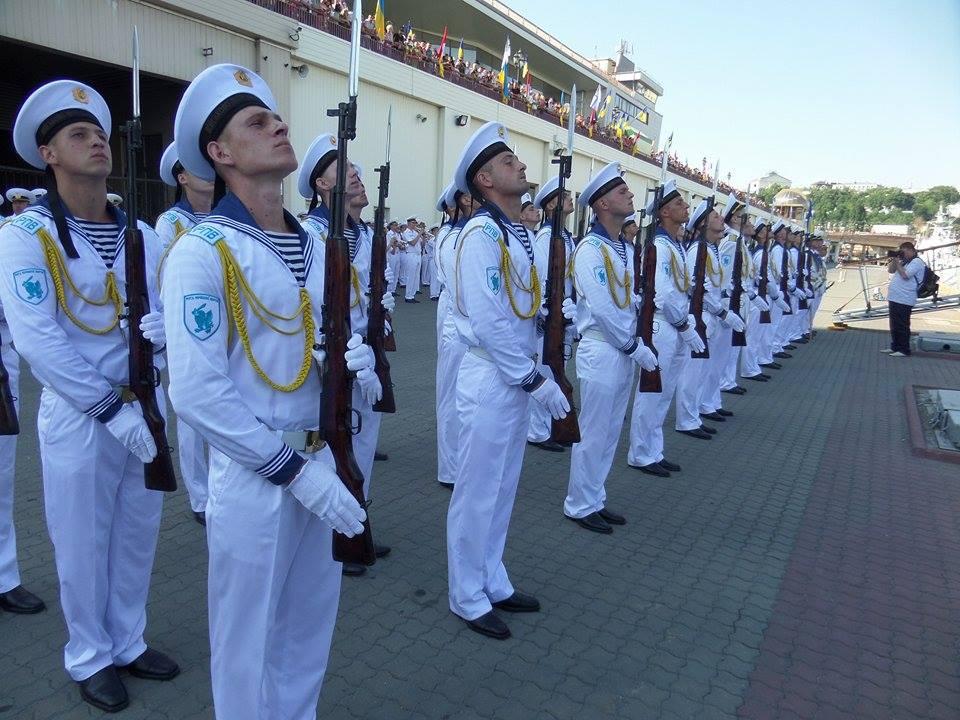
point(208, 233)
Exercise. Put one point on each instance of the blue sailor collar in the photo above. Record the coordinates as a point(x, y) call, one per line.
point(567, 235)
point(183, 205)
point(596, 228)
point(662, 232)
point(322, 212)
point(509, 227)
point(117, 216)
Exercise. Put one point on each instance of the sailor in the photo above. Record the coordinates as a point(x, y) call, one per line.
point(39, 194)
point(674, 336)
point(529, 213)
point(784, 309)
point(427, 264)
point(13, 596)
point(806, 294)
point(316, 180)
point(609, 349)
point(459, 206)
point(739, 230)
point(62, 267)
point(799, 295)
point(19, 199)
point(411, 250)
point(243, 292)
point(496, 299)
point(630, 229)
point(758, 320)
point(818, 277)
point(394, 254)
point(538, 432)
point(192, 204)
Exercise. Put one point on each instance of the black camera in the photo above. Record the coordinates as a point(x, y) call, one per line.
point(893, 253)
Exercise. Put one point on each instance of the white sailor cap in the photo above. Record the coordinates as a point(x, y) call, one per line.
point(697, 215)
point(358, 168)
point(413, 218)
point(52, 107)
point(321, 153)
point(447, 199)
point(210, 101)
point(732, 205)
point(394, 222)
point(14, 194)
point(486, 143)
point(167, 162)
point(525, 200)
point(547, 192)
point(760, 222)
point(670, 191)
point(114, 199)
point(603, 182)
point(39, 193)
point(777, 226)
point(631, 218)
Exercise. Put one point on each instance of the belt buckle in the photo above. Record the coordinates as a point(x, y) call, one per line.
point(313, 442)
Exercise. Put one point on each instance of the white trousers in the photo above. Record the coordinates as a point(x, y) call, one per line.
point(773, 333)
point(650, 409)
point(365, 441)
point(272, 594)
point(435, 284)
point(692, 378)
point(493, 422)
point(450, 353)
point(758, 344)
point(103, 523)
point(708, 397)
point(541, 423)
point(785, 327)
point(427, 269)
point(730, 359)
point(9, 571)
point(411, 274)
point(606, 377)
point(193, 465)
point(395, 263)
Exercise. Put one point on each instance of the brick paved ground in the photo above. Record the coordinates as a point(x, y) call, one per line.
point(802, 565)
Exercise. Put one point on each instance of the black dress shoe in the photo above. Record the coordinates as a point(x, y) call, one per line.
point(380, 457)
point(548, 445)
point(790, 346)
point(354, 569)
point(725, 413)
point(489, 625)
point(104, 690)
point(593, 522)
point(412, 300)
point(381, 551)
point(667, 465)
point(801, 341)
point(446, 486)
point(708, 429)
point(771, 365)
point(200, 516)
point(715, 416)
point(765, 376)
point(653, 469)
point(518, 603)
point(152, 665)
point(758, 378)
point(782, 355)
point(21, 601)
point(611, 517)
point(698, 433)
point(736, 390)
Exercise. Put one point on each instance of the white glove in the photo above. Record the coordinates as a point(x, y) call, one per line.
point(319, 354)
point(733, 321)
point(791, 285)
point(759, 303)
point(798, 294)
point(360, 359)
point(644, 357)
point(388, 301)
point(569, 309)
point(129, 427)
point(809, 293)
point(783, 304)
point(552, 398)
point(320, 491)
point(151, 325)
point(637, 300)
point(388, 274)
point(690, 336)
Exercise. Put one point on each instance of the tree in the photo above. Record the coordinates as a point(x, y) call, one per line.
point(927, 202)
point(767, 194)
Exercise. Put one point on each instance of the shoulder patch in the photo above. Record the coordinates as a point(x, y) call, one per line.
point(28, 223)
point(494, 280)
point(170, 216)
point(595, 241)
point(491, 230)
point(725, 259)
point(600, 274)
point(32, 285)
point(201, 315)
point(208, 233)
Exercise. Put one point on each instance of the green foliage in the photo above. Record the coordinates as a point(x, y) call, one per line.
point(880, 206)
point(768, 193)
point(927, 203)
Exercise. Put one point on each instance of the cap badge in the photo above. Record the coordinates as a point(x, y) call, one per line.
point(501, 132)
point(333, 140)
point(242, 78)
point(80, 95)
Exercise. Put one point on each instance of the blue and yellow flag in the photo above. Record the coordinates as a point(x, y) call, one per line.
point(380, 21)
point(504, 64)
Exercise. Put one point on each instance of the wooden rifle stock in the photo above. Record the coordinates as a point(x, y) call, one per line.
point(144, 378)
point(9, 424)
point(645, 284)
point(802, 304)
point(377, 318)
point(762, 285)
point(336, 411)
point(784, 269)
point(700, 288)
point(738, 339)
point(567, 430)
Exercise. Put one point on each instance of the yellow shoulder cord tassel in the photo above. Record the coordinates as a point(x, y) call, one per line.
point(675, 271)
point(178, 231)
point(712, 270)
point(355, 284)
point(613, 282)
point(235, 286)
point(506, 269)
point(59, 273)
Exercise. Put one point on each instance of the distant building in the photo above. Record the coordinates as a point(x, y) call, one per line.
point(771, 178)
point(790, 203)
point(854, 186)
point(890, 229)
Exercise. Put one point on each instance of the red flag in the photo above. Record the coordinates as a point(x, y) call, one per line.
point(443, 42)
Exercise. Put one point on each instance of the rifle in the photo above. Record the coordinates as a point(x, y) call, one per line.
point(738, 339)
point(801, 265)
point(143, 374)
point(645, 284)
point(762, 286)
point(9, 424)
point(567, 430)
point(784, 269)
point(377, 319)
point(699, 289)
point(336, 411)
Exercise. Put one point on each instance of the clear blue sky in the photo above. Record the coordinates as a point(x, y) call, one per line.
point(865, 90)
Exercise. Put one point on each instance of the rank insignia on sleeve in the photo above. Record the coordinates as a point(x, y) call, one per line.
point(32, 285)
point(600, 274)
point(201, 314)
point(494, 281)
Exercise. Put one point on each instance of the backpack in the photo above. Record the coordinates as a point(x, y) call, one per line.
point(929, 284)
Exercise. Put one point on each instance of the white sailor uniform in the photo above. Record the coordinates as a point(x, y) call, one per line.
point(700, 377)
point(781, 335)
point(410, 262)
point(758, 333)
point(9, 571)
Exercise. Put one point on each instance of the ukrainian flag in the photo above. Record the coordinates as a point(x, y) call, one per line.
point(380, 21)
point(503, 69)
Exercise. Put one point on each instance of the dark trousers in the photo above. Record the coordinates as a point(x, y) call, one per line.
point(900, 327)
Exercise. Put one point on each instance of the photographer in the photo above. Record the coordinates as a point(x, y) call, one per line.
point(906, 272)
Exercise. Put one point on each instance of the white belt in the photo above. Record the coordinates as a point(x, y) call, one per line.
point(483, 354)
point(308, 441)
point(595, 335)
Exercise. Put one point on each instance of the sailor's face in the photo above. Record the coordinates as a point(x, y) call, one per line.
point(715, 228)
point(328, 180)
point(676, 210)
point(19, 206)
point(620, 200)
point(508, 174)
point(195, 184)
point(255, 141)
point(81, 148)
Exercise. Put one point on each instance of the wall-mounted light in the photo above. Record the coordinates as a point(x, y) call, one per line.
point(462, 120)
point(301, 70)
point(421, 117)
point(295, 34)
point(207, 51)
